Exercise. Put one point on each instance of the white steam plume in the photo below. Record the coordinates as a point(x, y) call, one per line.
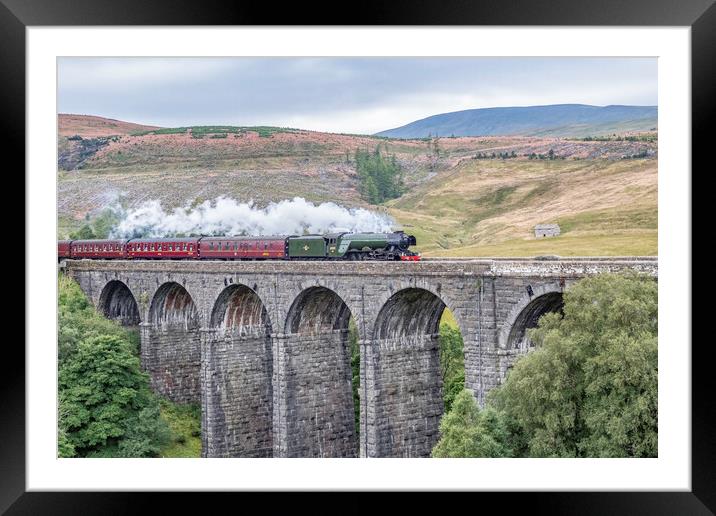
point(225, 216)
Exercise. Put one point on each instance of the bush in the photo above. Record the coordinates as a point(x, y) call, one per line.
point(467, 431)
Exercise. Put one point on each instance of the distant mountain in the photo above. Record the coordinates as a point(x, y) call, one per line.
point(564, 120)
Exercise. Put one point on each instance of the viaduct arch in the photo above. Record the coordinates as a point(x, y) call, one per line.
point(263, 346)
point(237, 376)
point(171, 349)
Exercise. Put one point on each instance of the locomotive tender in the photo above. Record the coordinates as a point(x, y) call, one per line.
point(332, 246)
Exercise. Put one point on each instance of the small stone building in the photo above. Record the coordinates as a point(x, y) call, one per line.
point(546, 230)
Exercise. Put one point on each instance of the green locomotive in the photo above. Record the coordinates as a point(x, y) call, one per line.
point(353, 246)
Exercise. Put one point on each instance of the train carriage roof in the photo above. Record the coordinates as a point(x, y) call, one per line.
point(164, 239)
point(239, 238)
point(102, 241)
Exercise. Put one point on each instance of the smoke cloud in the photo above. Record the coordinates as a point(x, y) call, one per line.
point(225, 216)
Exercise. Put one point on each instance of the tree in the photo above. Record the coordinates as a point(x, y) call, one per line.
point(105, 222)
point(380, 176)
point(109, 408)
point(84, 233)
point(467, 431)
point(105, 406)
point(590, 387)
point(101, 226)
point(452, 364)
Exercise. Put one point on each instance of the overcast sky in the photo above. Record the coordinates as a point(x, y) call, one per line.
point(348, 95)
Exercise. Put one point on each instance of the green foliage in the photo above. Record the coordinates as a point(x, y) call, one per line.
point(101, 226)
point(452, 363)
point(185, 425)
point(501, 155)
point(380, 176)
point(467, 431)
point(106, 407)
point(84, 233)
point(590, 387)
point(78, 320)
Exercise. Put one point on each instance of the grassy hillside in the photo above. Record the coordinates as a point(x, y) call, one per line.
point(456, 205)
point(489, 208)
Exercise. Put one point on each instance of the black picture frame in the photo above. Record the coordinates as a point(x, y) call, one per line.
point(700, 15)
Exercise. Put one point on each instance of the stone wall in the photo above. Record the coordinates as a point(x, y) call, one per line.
point(237, 394)
point(317, 401)
point(406, 396)
point(172, 357)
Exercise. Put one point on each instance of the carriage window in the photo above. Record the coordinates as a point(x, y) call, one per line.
point(146, 247)
point(191, 247)
point(226, 246)
point(211, 246)
point(184, 247)
point(265, 246)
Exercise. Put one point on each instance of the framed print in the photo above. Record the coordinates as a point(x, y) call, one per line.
point(216, 174)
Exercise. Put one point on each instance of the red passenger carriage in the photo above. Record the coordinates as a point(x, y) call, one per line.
point(231, 248)
point(106, 249)
point(167, 248)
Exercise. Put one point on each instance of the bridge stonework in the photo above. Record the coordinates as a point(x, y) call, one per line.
point(264, 347)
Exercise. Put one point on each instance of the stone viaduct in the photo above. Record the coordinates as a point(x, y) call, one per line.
point(263, 346)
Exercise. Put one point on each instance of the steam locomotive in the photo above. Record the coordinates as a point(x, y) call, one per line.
point(332, 246)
